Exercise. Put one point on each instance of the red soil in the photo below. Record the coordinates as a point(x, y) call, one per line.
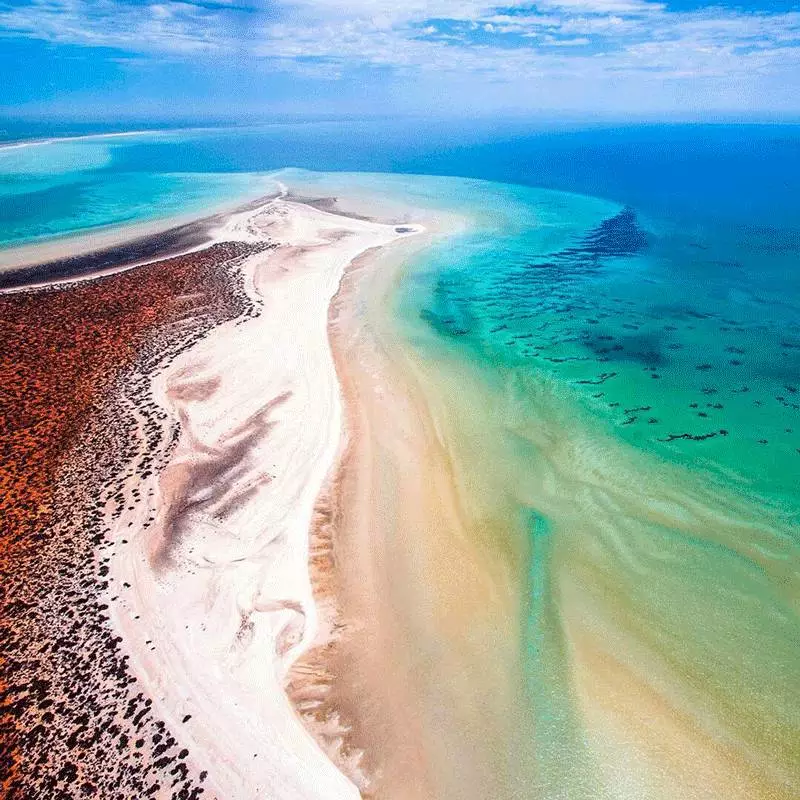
point(62, 350)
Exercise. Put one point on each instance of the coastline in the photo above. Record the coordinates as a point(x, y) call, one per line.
point(404, 583)
point(200, 562)
point(16, 143)
point(71, 714)
point(472, 608)
point(273, 559)
point(121, 252)
point(220, 579)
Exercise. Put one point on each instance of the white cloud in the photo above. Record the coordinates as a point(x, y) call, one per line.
point(175, 27)
point(515, 41)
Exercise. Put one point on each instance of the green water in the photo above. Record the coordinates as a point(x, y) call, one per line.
point(627, 401)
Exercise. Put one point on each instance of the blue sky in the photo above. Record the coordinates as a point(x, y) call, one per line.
point(595, 58)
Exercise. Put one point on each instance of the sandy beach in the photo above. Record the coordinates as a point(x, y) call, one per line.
point(422, 669)
point(217, 601)
point(13, 145)
point(71, 716)
point(214, 449)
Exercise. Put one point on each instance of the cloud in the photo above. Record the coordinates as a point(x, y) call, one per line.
point(511, 40)
point(174, 27)
point(523, 44)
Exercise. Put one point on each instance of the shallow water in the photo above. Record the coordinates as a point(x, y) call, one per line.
point(624, 398)
point(645, 385)
point(679, 347)
point(616, 381)
point(49, 190)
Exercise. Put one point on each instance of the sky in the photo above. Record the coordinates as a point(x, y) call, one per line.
point(309, 58)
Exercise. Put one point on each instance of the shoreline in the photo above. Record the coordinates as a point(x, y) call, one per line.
point(131, 252)
point(14, 144)
point(219, 575)
point(400, 581)
point(70, 710)
point(440, 649)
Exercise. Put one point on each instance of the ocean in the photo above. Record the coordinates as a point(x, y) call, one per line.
point(617, 333)
point(617, 396)
point(691, 176)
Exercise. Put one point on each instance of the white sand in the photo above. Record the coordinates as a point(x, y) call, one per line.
point(219, 583)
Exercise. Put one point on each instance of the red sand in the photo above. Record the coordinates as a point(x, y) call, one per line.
point(64, 688)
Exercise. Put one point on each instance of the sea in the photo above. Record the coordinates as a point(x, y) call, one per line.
point(660, 258)
point(628, 299)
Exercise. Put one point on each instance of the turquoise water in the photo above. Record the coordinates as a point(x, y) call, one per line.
point(621, 396)
point(686, 346)
point(651, 377)
point(618, 327)
point(50, 190)
point(662, 291)
point(684, 343)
